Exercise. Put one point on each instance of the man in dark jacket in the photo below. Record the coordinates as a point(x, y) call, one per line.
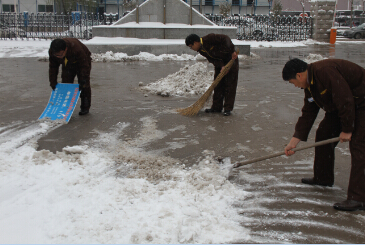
point(75, 58)
point(338, 87)
point(219, 50)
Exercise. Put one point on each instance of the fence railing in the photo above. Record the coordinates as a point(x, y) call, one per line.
point(50, 26)
point(266, 27)
point(79, 25)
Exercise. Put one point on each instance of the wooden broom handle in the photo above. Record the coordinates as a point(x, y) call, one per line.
point(324, 142)
point(227, 67)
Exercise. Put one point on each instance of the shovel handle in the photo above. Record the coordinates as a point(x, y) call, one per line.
point(324, 142)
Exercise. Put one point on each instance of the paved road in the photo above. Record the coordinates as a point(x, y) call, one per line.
point(262, 122)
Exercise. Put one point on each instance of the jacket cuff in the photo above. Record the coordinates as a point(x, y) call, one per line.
point(301, 136)
point(348, 129)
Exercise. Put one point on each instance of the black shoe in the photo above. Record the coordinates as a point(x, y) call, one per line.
point(212, 111)
point(349, 205)
point(311, 181)
point(83, 112)
point(227, 113)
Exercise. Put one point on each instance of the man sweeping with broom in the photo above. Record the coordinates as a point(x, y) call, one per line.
point(219, 50)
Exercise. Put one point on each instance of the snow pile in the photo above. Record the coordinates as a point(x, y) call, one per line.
point(142, 56)
point(313, 58)
point(189, 80)
point(112, 191)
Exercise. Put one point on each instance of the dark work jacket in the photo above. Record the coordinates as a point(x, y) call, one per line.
point(336, 86)
point(217, 48)
point(78, 57)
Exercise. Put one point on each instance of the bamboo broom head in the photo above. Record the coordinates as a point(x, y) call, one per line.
point(196, 107)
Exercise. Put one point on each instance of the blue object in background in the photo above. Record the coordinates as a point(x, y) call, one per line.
point(76, 16)
point(62, 102)
point(26, 19)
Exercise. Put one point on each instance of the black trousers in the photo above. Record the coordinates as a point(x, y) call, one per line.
point(324, 159)
point(69, 73)
point(225, 93)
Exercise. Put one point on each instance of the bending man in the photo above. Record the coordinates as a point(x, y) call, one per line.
point(75, 58)
point(219, 50)
point(338, 87)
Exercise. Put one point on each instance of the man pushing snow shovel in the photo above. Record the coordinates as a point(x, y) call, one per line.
point(338, 87)
point(75, 59)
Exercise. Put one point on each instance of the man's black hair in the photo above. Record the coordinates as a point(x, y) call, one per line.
point(292, 67)
point(58, 45)
point(189, 40)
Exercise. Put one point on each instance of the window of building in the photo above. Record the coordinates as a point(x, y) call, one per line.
point(209, 2)
point(8, 8)
point(45, 8)
point(249, 2)
point(235, 2)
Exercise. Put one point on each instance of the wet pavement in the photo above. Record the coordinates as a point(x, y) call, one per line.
point(280, 209)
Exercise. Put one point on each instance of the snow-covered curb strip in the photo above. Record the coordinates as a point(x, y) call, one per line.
point(142, 56)
point(39, 48)
point(137, 41)
point(156, 25)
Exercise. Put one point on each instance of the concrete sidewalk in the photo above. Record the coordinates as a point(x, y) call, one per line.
point(262, 122)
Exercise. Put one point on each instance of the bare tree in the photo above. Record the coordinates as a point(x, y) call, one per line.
point(277, 8)
point(303, 2)
point(89, 4)
point(225, 8)
point(68, 6)
point(130, 4)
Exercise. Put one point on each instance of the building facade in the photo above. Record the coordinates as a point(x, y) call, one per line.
point(30, 6)
point(37, 6)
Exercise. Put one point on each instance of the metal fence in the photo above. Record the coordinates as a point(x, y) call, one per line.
point(50, 26)
point(265, 27)
point(79, 25)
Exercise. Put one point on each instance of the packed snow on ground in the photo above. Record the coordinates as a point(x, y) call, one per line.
point(313, 58)
point(111, 191)
point(194, 79)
